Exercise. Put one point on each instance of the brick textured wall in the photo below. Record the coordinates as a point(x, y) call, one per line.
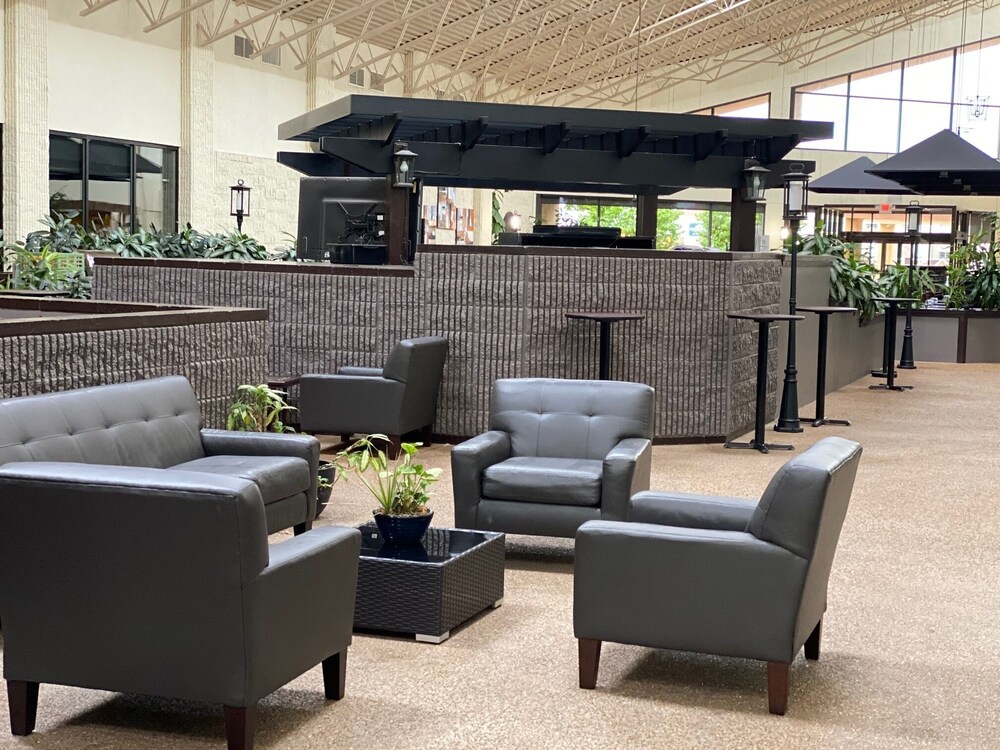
point(216, 357)
point(196, 169)
point(274, 200)
point(26, 116)
point(504, 316)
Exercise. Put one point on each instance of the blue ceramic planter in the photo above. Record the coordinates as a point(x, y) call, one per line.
point(402, 530)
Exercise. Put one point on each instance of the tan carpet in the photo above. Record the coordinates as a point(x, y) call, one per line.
point(911, 649)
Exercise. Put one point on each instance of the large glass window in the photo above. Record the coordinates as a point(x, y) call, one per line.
point(891, 107)
point(113, 184)
point(756, 107)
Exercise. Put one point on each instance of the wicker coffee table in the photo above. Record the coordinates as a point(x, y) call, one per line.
point(428, 589)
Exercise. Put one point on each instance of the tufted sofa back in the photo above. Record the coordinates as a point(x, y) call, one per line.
point(152, 423)
point(570, 418)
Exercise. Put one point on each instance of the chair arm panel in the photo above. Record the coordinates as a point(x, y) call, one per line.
point(468, 462)
point(691, 511)
point(364, 372)
point(626, 472)
point(719, 592)
point(235, 443)
point(336, 404)
point(301, 606)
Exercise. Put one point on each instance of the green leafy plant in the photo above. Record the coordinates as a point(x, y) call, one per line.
point(854, 283)
point(399, 486)
point(258, 408)
point(974, 272)
point(497, 222)
point(898, 281)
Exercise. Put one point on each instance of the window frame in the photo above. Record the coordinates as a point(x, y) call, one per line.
point(711, 110)
point(133, 151)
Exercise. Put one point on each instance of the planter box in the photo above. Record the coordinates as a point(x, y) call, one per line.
point(953, 335)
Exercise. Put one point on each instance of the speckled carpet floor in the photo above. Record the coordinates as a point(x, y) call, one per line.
point(911, 649)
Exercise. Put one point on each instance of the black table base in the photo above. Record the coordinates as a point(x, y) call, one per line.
point(758, 443)
point(889, 348)
point(824, 314)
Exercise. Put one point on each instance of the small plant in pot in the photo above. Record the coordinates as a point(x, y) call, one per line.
point(399, 486)
point(259, 408)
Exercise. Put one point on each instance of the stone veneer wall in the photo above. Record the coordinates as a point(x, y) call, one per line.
point(504, 315)
point(274, 201)
point(215, 356)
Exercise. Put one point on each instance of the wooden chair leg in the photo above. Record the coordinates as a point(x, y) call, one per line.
point(302, 528)
point(393, 448)
point(812, 642)
point(590, 662)
point(345, 437)
point(22, 697)
point(335, 675)
point(426, 435)
point(777, 687)
point(241, 723)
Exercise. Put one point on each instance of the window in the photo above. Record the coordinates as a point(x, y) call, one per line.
point(113, 184)
point(357, 77)
point(892, 107)
point(757, 107)
point(377, 83)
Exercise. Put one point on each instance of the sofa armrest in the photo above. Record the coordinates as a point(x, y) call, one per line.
point(235, 443)
point(334, 404)
point(468, 462)
point(364, 372)
point(626, 472)
point(302, 606)
point(711, 591)
point(691, 511)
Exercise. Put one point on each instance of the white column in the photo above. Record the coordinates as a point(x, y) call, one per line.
point(26, 117)
point(196, 174)
point(320, 86)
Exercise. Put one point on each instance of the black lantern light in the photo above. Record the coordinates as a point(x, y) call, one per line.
point(914, 212)
point(404, 160)
point(796, 193)
point(754, 177)
point(239, 202)
point(796, 206)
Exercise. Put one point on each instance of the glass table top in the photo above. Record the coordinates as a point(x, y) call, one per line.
point(436, 546)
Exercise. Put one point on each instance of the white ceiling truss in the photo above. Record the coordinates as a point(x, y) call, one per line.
point(582, 52)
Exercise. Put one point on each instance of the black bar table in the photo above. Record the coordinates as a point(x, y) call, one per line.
point(605, 319)
point(824, 318)
point(763, 321)
point(889, 350)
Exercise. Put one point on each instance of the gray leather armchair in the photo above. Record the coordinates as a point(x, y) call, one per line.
point(393, 400)
point(161, 582)
point(719, 575)
point(157, 424)
point(558, 453)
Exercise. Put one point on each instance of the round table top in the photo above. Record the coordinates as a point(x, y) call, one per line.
point(764, 317)
point(820, 310)
point(605, 316)
point(891, 300)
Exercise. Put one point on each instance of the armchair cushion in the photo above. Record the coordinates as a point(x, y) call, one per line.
point(277, 477)
point(691, 511)
point(559, 481)
point(364, 372)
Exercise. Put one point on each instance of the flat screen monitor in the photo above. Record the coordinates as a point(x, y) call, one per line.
point(342, 219)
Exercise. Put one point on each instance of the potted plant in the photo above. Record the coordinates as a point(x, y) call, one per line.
point(259, 408)
point(399, 486)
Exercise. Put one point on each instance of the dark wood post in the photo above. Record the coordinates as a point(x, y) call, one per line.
point(645, 215)
point(743, 224)
point(398, 222)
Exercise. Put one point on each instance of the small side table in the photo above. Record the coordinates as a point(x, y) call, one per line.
point(889, 344)
point(763, 321)
point(824, 318)
point(605, 319)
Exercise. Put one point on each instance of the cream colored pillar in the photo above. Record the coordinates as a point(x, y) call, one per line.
point(320, 87)
point(196, 177)
point(26, 116)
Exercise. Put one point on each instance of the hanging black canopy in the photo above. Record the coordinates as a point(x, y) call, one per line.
point(476, 144)
point(852, 179)
point(944, 164)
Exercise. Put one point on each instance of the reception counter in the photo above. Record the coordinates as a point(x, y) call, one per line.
point(503, 310)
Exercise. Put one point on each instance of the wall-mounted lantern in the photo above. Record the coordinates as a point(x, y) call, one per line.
point(754, 177)
point(403, 162)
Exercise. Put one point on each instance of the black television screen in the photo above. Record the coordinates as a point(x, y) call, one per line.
point(342, 219)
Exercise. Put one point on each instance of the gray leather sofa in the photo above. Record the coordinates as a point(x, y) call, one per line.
point(161, 582)
point(392, 400)
point(156, 424)
point(719, 575)
point(558, 453)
